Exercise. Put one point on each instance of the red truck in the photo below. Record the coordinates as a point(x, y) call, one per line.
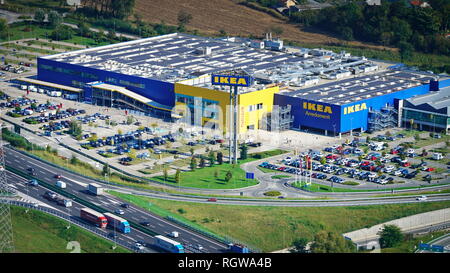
point(94, 217)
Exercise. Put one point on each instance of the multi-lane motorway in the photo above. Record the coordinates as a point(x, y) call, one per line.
point(76, 185)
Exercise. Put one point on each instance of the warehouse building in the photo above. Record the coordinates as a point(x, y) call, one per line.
point(169, 76)
point(429, 112)
point(364, 103)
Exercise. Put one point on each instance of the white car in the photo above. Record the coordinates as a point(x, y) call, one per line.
point(372, 175)
point(119, 211)
point(421, 198)
point(139, 246)
point(198, 246)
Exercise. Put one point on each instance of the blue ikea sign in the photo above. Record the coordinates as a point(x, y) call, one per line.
point(231, 80)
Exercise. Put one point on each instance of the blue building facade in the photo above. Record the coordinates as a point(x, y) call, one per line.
point(341, 118)
point(78, 76)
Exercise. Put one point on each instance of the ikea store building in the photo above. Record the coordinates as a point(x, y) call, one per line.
point(318, 90)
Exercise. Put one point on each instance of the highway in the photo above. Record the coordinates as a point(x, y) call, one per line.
point(76, 185)
point(46, 173)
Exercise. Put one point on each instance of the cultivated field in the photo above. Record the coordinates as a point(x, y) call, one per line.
point(211, 16)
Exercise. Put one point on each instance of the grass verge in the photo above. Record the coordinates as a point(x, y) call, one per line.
point(50, 235)
point(273, 228)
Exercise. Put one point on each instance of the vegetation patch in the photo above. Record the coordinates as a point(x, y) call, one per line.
point(50, 234)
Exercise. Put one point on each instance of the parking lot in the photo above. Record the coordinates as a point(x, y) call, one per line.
point(360, 163)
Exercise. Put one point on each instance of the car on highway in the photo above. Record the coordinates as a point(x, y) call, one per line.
point(31, 171)
point(119, 211)
point(421, 198)
point(145, 224)
point(57, 176)
point(198, 246)
point(125, 205)
point(33, 182)
point(138, 246)
point(212, 199)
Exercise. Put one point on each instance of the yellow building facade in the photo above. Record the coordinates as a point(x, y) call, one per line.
point(212, 106)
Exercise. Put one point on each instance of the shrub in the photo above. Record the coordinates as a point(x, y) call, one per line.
point(272, 193)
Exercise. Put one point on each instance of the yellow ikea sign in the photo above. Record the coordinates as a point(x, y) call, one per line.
point(317, 107)
point(230, 80)
point(355, 108)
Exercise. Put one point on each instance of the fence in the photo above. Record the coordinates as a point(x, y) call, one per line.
point(225, 240)
point(64, 217)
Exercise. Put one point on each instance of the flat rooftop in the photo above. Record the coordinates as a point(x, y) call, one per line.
point(363, 87)
point(438, 100)
point(178, 57)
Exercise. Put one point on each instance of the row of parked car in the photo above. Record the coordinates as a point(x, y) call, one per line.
point(56, 126)
point(93, 118)
point(16, 102)
point(52, 116)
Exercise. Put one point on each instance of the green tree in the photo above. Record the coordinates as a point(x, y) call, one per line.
point(212, 158)
point(406, 51)
point(202, 162)
point(330, 242)
point(183, 18)
point(75, 128)
point(62, 32)
point(323, 160)
point(300, 245)
point(390, 236)
point(192, 150)
point(74, 160)
point(132, 154)
point(54, 18)
point(228, 176)
point(220, 158)
point(39, 16)
point(216, 173)
point(244, 152)
point(106, 170)
point(193, 163)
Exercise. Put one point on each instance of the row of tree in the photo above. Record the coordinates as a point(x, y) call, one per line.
point(391, 23)
point(111, 8)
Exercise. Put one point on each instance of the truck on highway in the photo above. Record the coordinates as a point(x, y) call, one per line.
point(53, 197)
point(95, 189)
point(238, 248)
point(63, 202)
point(117, 222)
point(168, 244)
point(94, 217)
point(60, 184)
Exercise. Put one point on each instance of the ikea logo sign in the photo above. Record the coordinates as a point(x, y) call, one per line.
point(230, 80)
point(355, 108)
point(317, 107)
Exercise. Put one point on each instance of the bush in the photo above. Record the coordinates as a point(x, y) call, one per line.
point(272, 193)
point(351, 183)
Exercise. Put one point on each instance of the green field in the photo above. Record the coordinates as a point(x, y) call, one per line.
point(37, 232)
point(273, 228)
point(205, 177)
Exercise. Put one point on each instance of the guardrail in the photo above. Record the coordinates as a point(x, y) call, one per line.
point(224, 240)
point(79, 200)
point(66, 217)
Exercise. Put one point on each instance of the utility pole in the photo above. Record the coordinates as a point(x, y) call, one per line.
point(6, 233)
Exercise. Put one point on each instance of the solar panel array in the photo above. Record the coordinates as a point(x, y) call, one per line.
point(175, 57)
point(363, 87)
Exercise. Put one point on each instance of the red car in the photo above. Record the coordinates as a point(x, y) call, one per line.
point(365, 163)
point(406, 164)
point(429, 169)
point(212, 200)
point(58, 176)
